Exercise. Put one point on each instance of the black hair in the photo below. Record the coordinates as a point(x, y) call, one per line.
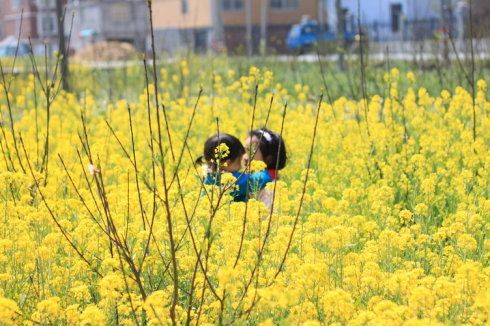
point(272, 146)
point(234, 145)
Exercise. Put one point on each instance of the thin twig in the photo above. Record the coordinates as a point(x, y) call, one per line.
point(51, 213)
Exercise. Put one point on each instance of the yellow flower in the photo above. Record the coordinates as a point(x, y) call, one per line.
point(9, 311)
point(445, 95)
point(428, 185)
point(391, 229)
point(411, 76)
point(72, 314)
point(395, 73)
point(92, 316)
point(156, 306)
point(221, 151)
point(337, 304)
point(406, 216)
point(421, 299)
point(49, 310)
point(80, 292)
point(421, 209)
point(256, 166)
point(466, 242)
point(481, 84)
point(304, 313)
point(111, 286)
point(227, 179)
point(267, 322)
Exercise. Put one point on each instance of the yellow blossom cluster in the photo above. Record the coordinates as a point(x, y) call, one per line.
point(105, 219)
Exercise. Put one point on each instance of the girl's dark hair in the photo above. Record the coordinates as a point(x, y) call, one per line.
point(272, 147)
point(235, 148)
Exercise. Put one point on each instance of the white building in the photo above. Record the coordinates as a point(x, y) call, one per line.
point(397, 20)
point(108, 20)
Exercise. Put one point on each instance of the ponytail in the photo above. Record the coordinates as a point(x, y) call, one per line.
point(199, 161)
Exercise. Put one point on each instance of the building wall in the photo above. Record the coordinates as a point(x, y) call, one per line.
point(379, 10)
point(182, 25)
point(114, 20)
point(171, 41)
point(11, 18)
point(278, 17)
point(418, 19)
point(279, 21)
point(176, 30)
point(39, 23)
point(168, 14)
point(235, 37)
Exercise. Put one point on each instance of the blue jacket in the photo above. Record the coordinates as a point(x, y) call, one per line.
point(247, 183)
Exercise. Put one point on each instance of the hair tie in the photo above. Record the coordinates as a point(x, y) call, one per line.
point(266, 135)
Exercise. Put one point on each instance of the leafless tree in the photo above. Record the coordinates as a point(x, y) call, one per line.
point(340, 32)
point(60, 17)
point(264, 13)
point(248, 22)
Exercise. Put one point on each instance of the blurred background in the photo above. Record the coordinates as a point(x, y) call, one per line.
point(100, 44)
point(243, 27)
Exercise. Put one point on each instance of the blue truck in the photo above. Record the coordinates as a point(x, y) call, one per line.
point(8, 47)
point(307, 34)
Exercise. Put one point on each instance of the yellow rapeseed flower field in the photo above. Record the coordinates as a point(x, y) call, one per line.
point(105, 219)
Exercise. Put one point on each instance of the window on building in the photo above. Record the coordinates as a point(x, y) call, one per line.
point(200, 41)
point(396, 16)
point(120, 12)
point(45, 4)
point(48, 25)
point(185, 6)
point(284, 4)
point(15, 5)
point(232, 5)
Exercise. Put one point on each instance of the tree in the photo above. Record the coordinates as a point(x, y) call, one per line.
point(218, 31)
point(264, 12)
point(447, 28)
point(340, 33)
point(481, 12)
point(60, 16)
point(248, 23)
point(321, 13)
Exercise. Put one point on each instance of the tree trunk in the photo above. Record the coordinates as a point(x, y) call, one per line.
point(248, 22)
point(321, 14)
point(340, 33)
point(446, 29)
point(218, 38)
point(63, 51)
point(264, 12)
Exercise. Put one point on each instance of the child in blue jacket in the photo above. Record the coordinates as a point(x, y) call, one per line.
point(269, 147)
point(223, 153)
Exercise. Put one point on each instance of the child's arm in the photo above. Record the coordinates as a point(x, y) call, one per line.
point(253, 182)
point(209, 180)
